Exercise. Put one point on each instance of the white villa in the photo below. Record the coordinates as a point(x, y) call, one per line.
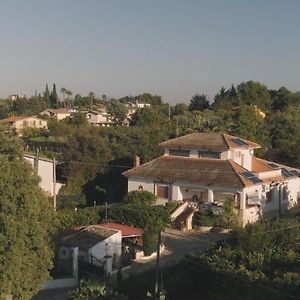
point(57, 113)
point(208, 167)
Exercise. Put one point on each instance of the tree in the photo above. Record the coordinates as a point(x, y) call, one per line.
point(54, 97)
point(25, 230)
point(64, 91)
point(47, 96)
point(254, 93)
point(180, 109)
point(199, 102)
point(92, 97)
point(118, 112)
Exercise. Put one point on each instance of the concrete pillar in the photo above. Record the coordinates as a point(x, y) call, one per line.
point(75, 263)
point(243, 201)
point(210, 196)
point(108, 265)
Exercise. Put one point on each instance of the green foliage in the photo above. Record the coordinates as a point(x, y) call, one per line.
point(118, 111)
point(140, 198)
point(199, 102)
point(25, 234)
point(92, 289)
point(149, 242)
point(228, 217)
point(254, 93)
point(204, 218)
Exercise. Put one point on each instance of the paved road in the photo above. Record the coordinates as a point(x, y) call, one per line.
point(55, 294)
point(177, 244)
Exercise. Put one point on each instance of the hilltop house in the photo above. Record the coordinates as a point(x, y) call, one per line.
point(208, 167)
point(19, 123)
point(57, 113)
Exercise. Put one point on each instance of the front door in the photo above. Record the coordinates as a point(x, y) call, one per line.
point(162, 191)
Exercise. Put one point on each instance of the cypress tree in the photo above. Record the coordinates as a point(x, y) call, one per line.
point(47, 96)
point(54, 97)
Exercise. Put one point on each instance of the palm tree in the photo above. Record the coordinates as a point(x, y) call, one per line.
point(92, 97)
point(63, 90)
point(69, 94)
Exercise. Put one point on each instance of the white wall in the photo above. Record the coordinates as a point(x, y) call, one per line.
point(45, 172)
point(135, 183)
point(110, 246)
point(272, 207)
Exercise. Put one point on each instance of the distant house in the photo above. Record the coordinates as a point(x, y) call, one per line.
point(97, 245)
point(206, 168)
point(59, 113)
point(45, 170)
point(99, 118)
point(19, 123)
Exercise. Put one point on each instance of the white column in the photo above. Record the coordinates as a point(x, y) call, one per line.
point(210, 196)
point(243, 201)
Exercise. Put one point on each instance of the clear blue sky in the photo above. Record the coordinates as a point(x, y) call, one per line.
point(167, 47)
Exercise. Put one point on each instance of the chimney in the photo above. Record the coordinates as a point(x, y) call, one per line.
point(136, 161)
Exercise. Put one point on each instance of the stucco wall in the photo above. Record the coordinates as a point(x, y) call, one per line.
point(45, 172)
point(110, 246)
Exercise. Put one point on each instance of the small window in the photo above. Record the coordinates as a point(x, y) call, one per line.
point(177, 152)
point(209, 154)
point(238, 200)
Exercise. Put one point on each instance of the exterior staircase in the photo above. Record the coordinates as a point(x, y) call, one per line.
point(182, 217)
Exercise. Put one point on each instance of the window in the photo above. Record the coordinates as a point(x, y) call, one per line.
point(209, 154)
point(178, 152)
point(238, 200)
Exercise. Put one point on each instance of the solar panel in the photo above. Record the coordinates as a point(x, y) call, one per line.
point(252, 177)
point(255, 179)
point(272, 165)
point(248, 174)
point(286, 173)
point(295, 172)
point(239, 142)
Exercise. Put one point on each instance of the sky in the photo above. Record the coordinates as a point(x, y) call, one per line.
point(170, 48)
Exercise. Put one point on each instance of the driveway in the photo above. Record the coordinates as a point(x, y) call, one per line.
point(177, 245)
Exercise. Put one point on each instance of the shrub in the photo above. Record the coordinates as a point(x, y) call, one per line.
point(140, 197)
point(204, 218)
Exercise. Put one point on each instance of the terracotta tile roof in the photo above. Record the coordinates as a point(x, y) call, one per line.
point(204, 171)
point(262, 165)
point(88, 237)
point(59, 110)
point(212, 141)
point(127, 231)
point(259, 165)
point(13, 119)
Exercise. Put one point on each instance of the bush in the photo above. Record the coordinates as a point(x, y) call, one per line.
point(150, 242)
point(204, 218)
point(171, 206)
point(140, 198)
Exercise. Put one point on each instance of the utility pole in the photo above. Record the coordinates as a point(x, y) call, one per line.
point(54, 183)
point(176, 126)
point(157, 272)
point(105, 212)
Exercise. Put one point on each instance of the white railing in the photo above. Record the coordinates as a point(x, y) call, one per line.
point(180, 209)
